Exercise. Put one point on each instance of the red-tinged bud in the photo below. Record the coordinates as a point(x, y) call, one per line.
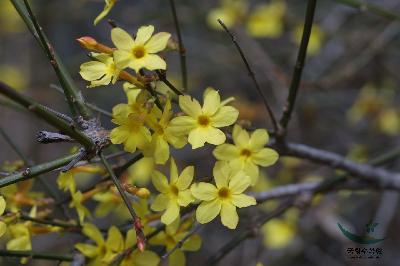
point(140, 244)
point(87, 42)
point(138, 224)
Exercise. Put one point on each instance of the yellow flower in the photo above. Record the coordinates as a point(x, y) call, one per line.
point(107, 8)
point(140, 52)
point(105, 250)
point(162, 137)
point(247, 152)
point(76, 203)
point(21, 237)
point(230, 12)
point(202, 123)
point(130, 120)
point(267, 20)
point(174, 194)
point(170, 238)
point(137, 258)
point(3, 226)
point(100, 72)
point(224, 197)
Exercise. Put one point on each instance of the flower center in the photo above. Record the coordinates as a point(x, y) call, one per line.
point(174, 190)
point(224, 193)
point(139, 52)
point(245, 152)
point(203, 120)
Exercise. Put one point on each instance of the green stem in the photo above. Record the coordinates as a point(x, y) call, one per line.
point(43, 113)
point(298, 69)
point(74, 98)
point(377, 10)
point(182, 50)
point(35, 255)
point(36, 170)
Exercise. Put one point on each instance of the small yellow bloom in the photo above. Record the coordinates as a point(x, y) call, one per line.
point(76, 203)
point(247, 152)
point(100, 72)
point(202, 123)
point(130, 120)
point(105, 250)
point(280, 232)
point(169, 238)
point(224, 197)
point(137, 258)
point(3, 226)
point(267, 20)
point(107, 8)
point(140, 52)
point(21, 237)
point(162, 137)
point(230, 12)
point(174, 194)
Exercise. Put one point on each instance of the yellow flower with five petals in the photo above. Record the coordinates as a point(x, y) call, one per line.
point(140, 52)
point(174, 194)
point(202, 123)
point(100, 72)
point(247, 152)
point(223, 198)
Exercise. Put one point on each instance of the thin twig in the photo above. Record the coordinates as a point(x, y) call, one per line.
point(162, 76)
point(182, 241)
point(182, 50)
point(253, 77)
point(298, 69)
point(250, 232)
point(377, 10)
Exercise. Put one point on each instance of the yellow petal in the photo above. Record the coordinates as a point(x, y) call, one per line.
point(130, 239)
point(143, 34)
point(122, 58)
point(226, 152)
point(171, 213)
point(181, 125)
point(107, 8)
point(88, 250)
point(243, 200)
point(215, 136)
point(185, 198)
point(115, 240)
point(145, 258)
point(207, 211)
point(258, 139)
point(204, 191)
point(160, 181)
point(173, 171)
point(239, 182)
point(221, 174)
point(161, 153)
point(121, 39)
point(240, 136)
point(177, 258)
point(265, 157)
point(185, 178)
point(19, 243)
point(158, 42)
point(3, 228)
point(229, 216)
point(153, 62)
point(91, 231)
point(197, 137)
point(192, 244)
point(225, 116)
point(2, 205)
point(160, 202)
point(212, 102)
point(190, 106)
point(252, 171)
point(92, 70)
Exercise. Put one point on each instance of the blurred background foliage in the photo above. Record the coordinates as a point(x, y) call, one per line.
point(349, 104)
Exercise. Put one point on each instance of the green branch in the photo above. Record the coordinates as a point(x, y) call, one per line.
point(298, 69)
point(36, 170)
point(377, 10)
point(43, 113)
point(35, 255)
point(74, 98)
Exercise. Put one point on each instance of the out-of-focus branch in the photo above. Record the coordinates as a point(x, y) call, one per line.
point(377, 10)
point(298, 68)
point(250, 232)
point(253, 77)
point(35, 255)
